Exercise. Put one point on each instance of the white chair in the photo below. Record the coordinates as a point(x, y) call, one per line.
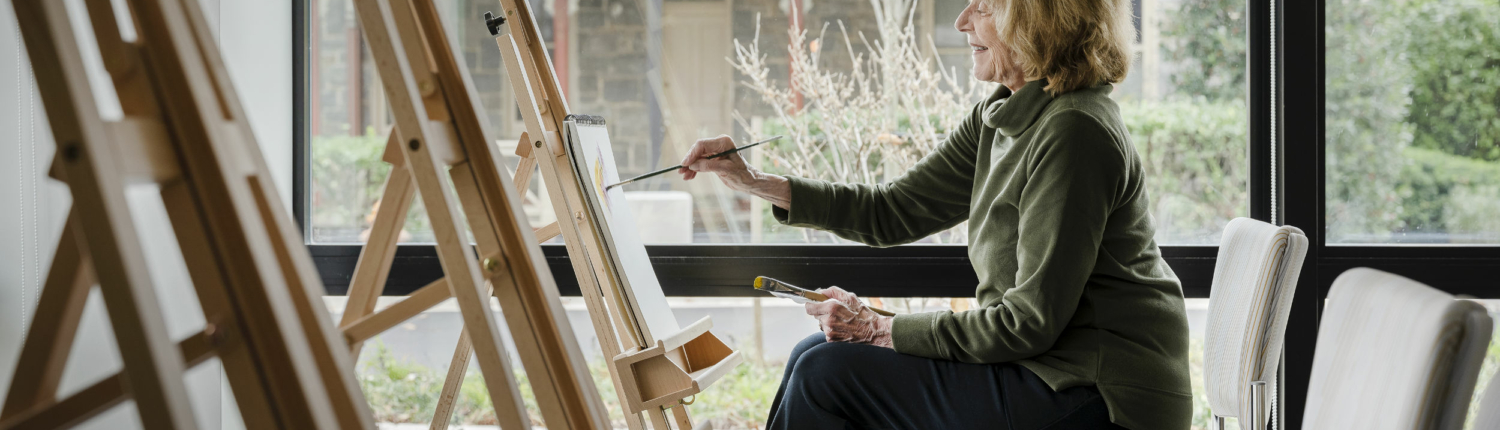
point(1254, 278)
point(1394, 354)
point(1489, 406)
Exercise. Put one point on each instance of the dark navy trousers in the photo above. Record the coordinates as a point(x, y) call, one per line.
point(836, 385)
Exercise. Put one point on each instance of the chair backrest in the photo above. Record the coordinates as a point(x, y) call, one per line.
point(1489, 406)
point(1254, 278)
point(1394, 354)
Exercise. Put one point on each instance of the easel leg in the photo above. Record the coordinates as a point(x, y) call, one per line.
point(524, 171)
point(454, 253)
point(58, 312)
point(523, 179)
point(680, 415)
point(658, 419)
point(527, 84)
point(324, 342)
point(475, 307)
point(457, 369)
point(250, 394)
point(374, 264)
point(151, 363)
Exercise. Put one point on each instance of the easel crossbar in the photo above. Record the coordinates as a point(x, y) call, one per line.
point(105, 394)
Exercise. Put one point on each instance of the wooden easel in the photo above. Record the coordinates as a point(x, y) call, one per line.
point(439, 129)
point(653, 372)
point(184, 130)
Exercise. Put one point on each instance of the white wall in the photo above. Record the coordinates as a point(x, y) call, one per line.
point(255, 39)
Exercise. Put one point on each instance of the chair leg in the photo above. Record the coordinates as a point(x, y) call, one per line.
point(1257, 407)
point(1278, 414)
point(1218, 422)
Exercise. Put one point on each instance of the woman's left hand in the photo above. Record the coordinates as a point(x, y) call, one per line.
point(844, 318)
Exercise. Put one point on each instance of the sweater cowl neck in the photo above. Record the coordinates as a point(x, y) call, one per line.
point(1013, 113)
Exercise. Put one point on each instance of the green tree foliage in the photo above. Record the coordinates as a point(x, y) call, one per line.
point(1195, 162)
point(1365, 128)
point(348, 175)
point(1193, 142)
point(347, 180)
point(1452, 196)
point(1206, 38)
point(1453, 47)
point(1411, 127)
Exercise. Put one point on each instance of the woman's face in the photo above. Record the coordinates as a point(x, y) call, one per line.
point(993, 61)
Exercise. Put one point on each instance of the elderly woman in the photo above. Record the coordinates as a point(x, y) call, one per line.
point(1080, 322)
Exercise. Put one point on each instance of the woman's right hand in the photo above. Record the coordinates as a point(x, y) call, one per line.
point(731, 168)
point(735, 172)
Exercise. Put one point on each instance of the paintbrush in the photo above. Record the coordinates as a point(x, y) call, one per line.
point(658, 172)
point(799, 294)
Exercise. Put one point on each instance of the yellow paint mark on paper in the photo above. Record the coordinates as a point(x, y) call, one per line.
point(599, 180)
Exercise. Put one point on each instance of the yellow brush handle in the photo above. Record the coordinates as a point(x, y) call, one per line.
point(761, 281)
point(820, 297)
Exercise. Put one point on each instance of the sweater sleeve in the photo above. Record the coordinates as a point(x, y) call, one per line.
point(1075, 176)
point(931, 197)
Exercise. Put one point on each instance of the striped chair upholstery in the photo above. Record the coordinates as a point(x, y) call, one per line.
point(1394, 354)
point(1254, 278)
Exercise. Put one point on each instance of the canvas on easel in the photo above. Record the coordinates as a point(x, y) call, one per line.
point(593, 160)
point(669, 362)
point(182, 128)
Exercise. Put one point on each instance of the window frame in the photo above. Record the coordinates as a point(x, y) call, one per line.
point(1461, 270)
point(1286, 186)
point(707, 270)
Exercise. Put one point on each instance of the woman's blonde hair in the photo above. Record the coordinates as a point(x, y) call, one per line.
point(1072, 43)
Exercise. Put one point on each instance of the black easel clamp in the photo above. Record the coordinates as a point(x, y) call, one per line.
point(493, 22)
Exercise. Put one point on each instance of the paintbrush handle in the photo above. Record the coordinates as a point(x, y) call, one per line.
point(710, 157)
point(742, 148)
point(815, 296)
point(645, 176)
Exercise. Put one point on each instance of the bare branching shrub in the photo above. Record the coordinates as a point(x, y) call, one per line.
point(867, 124)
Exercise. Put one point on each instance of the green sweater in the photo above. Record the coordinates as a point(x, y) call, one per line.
point(1071, 283)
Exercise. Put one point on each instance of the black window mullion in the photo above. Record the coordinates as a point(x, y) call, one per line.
point(1259, 53)
point(1301, 190)
point(300, 160)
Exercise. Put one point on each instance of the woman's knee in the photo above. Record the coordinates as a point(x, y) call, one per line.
point(830, 362)
point(797, 351)
point(806, 344)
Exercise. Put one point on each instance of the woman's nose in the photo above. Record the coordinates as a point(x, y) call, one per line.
point(962, 23)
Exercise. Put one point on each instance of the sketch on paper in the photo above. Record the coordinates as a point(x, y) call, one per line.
point(590, 153)
point(599, 177)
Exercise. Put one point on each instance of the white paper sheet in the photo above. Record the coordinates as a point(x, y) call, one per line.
point(590, 152)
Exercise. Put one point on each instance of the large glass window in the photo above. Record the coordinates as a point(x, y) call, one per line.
point(1186, 106)
point(1412, 131)
point(718, 67)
